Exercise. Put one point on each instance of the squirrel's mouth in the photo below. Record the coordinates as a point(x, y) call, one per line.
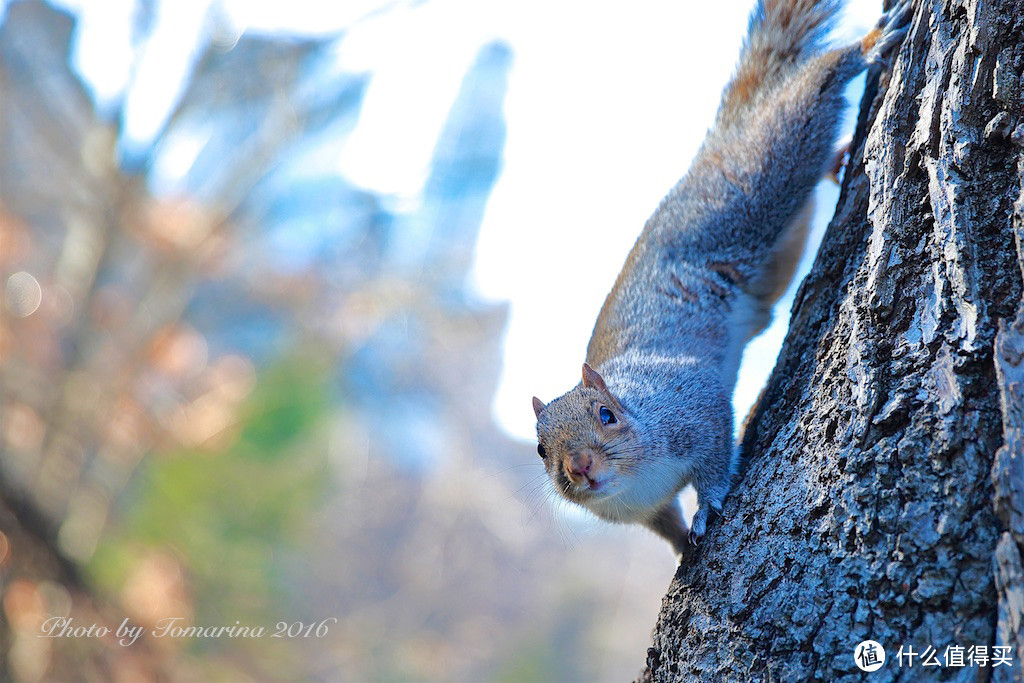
point(591, 487)
point(585, 482)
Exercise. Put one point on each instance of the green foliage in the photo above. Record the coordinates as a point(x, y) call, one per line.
point(533, 662)
point(288, 402)
point(232, 516)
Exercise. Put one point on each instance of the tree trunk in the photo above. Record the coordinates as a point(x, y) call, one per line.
point(884, 493)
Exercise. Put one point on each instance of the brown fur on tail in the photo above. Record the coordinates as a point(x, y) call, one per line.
point(868, 41)
point(781, 33)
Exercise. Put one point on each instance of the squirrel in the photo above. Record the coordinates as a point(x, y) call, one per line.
point(653, 412)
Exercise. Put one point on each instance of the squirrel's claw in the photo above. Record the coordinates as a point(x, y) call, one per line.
point(701, 518)
point(699, 526)
point(892, 28)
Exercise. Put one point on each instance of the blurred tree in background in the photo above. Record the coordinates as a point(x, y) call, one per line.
point(251, 392)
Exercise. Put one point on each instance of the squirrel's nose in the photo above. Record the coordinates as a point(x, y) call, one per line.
point(579, 465)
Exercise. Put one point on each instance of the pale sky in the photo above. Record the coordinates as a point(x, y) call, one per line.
point(607, 103)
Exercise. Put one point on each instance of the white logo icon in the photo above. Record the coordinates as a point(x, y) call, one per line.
point(869, 656)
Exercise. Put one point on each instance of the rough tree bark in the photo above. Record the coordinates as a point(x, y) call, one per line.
point(884, 496)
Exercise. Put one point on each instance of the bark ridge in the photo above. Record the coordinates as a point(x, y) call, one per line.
point(884, 496)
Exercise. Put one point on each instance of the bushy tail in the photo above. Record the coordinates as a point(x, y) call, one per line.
point(771, 143)
point(781, 35)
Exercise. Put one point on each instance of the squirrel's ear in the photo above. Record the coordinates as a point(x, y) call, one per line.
point(592, 379)
point(538, 405)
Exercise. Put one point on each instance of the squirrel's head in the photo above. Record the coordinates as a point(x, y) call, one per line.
point(589, 443)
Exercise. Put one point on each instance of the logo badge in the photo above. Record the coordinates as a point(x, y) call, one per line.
point(869, 656)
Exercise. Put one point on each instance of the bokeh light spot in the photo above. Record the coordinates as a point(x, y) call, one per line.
point(23, 294)
point(5, 550)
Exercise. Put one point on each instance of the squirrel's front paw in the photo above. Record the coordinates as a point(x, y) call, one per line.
point(699, 526)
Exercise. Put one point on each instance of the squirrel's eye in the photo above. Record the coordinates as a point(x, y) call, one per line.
point(541, 452)
point(607, 418)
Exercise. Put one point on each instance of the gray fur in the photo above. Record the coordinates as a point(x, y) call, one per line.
point(701, 280)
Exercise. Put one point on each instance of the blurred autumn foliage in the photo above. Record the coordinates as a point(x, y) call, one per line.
point(251, 392)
